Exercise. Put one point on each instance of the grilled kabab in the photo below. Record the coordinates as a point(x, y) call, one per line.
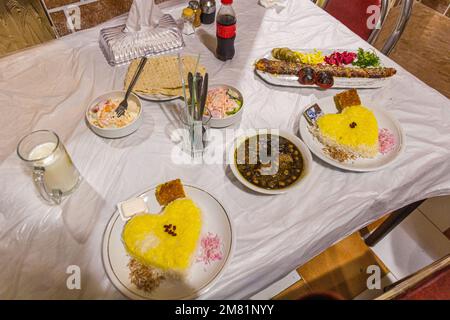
point(293, 68)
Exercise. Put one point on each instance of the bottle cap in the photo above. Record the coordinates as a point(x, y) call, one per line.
point(227, 1)
point(188, 12)
point(194, 4)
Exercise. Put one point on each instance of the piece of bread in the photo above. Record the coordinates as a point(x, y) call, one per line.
point(346, 99)
point(167, 192)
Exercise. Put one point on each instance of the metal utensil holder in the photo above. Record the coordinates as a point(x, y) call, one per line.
point(196, 124)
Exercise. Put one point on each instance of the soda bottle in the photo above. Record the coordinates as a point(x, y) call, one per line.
point(226, 31)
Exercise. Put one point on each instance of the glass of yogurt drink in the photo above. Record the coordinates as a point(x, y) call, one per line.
point(54, 173)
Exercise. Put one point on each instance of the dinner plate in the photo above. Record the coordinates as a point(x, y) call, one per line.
point(339, 83)
point(200, 277)
point(384, 119)
point(156, 97)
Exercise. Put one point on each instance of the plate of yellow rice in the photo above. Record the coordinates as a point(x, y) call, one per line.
point(360, 138)
point(173, 252)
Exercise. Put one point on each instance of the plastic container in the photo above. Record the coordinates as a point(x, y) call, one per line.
point(121, 47)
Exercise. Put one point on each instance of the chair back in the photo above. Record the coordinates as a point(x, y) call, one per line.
point(356, 16)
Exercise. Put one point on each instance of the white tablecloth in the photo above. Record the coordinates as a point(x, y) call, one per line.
point(49, 87)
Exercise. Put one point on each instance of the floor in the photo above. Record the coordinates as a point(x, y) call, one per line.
point(419, 240)
point(424, 48)
point(340, 269)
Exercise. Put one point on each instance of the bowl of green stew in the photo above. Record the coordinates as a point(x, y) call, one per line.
point(270, 161)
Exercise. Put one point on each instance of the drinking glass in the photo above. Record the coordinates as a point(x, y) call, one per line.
point(54, 173)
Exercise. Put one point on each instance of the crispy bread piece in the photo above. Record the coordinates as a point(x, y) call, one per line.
point(169, 191)
point(347, 99)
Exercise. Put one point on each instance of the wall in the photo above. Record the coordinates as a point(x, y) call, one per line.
point(23, 23)
point(92, 12)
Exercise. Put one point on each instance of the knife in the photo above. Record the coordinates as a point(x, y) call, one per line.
point(204, 95)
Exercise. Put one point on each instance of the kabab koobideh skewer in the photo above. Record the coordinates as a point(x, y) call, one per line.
point(293, 68)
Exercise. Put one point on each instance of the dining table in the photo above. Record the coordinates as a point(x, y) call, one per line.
point(50, 86)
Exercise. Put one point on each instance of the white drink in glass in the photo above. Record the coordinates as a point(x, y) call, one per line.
point(60, 173)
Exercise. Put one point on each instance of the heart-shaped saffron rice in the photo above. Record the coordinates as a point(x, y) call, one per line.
point(167, 240)
point(355, 130)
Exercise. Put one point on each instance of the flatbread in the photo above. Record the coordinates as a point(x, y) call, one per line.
point(161, 75)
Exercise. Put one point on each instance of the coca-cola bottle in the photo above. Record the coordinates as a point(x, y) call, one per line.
point(226, 31)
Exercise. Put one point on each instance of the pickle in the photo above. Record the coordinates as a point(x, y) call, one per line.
point(285, 54)
point(275, 52)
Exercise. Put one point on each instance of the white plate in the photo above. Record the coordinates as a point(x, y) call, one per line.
point(156, 97)
point(200, 277)
point(339, 83)
point(384, 119)
point(306, 154)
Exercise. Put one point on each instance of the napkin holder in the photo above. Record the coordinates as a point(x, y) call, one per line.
point(120, 47)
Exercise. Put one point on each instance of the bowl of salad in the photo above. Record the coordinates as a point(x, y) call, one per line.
point(224, 104)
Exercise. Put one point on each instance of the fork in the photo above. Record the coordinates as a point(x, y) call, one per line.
point(123, 106)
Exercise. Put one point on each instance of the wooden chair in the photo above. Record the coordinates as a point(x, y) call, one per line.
point(394, 219)
point(429, 283)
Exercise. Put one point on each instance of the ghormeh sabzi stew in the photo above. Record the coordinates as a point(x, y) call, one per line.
point(263, 166)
